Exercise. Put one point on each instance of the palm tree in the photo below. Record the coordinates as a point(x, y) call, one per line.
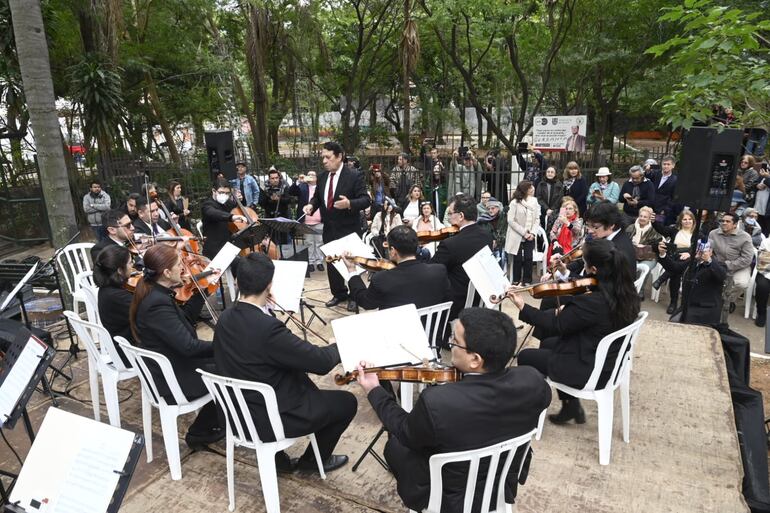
point(410, 53)
point(35, 67)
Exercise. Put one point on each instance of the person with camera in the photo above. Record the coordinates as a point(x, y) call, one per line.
point(464, 173)
point(637, 192)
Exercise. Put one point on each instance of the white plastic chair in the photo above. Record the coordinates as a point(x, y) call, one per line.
point(103, 360)
point(641, 275)
point(228, 394)
point(73, 260)
point(470, 296)
point(496, 455)
point(168, 412)
point(90, 295)
point(620, 377)
point(434, 319)
point(538, 257)
point(654, 275)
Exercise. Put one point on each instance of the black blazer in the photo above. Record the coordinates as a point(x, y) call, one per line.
point(251, 345)
point(453, 252)
point(338, 223)
point(475, 412)
point(646, 197)
point(215, 218)
point(579, 192)
point(704, 295)
point(99, 246)
point(141, 227)
point(664, 196)
point(410, 282)
point(162, 327)
point(114, 303)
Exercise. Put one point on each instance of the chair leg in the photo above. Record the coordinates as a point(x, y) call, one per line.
point(540, 424)
point(168, 416)
point(147, 425)
point(230, 451)
point(317, 453)
point(93, 382)
point(268, 477)
point(604, 405)
point(110, 384)
point(625, 407)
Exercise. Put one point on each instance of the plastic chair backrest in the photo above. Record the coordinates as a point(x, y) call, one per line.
point(93, 332)
point(139, 358)
point(629, 335)
point(538, 254)
point(88, 334)
point(641, 273)
point(224, 390)
point(86, 282)
point(73, 260)
point(434, 319)
point(199, 227)
point(474, 456)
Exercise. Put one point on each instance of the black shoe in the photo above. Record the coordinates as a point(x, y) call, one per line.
point(760, 320)
point(333, 462)
point(284, 464)
point(198, 441)
point(352, 306)
point(570, 409)
point(732, 307)
point(657, 284)
point(310, 268)
point(334, 302)
point(671, 308)
point(320, 267)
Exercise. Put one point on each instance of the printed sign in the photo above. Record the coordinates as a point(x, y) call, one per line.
point(560, 133)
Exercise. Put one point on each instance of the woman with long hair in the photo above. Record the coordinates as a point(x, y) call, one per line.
point(427, 222)
point(567, 229)
point(523, 222)
point(568, 345)
point(158, 324)
point(750, 177)
point(677, 255)
point(575, 186)
point(175, 203)
point(379, 185)
point(112, 269)
point(411, 205)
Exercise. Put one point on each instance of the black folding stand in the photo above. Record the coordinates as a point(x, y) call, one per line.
point(290, 226)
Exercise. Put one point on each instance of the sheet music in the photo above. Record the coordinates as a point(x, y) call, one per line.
point(486, 275)
point(19, 375)
point(77, 476)
point(288, 280)
point(224, 258)
point(18, 286)
point(385, 337)
point(352, 243)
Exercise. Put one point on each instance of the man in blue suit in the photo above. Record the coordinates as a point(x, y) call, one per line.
point(665, 186)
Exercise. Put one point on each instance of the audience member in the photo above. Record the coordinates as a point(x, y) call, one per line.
point(674, 255)
point(604, 188)
point(637, 192)
point(575, 186)
point(522, 232)
point(549, 193)
point(95, 203)
point(665, 186)
point(732, 246)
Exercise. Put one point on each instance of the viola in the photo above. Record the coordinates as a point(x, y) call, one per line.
point(436, 235)
point(370, 264)
point(553, 289)
point(427, 374)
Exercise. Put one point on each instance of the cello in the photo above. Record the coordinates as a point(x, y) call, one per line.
point(251, 219)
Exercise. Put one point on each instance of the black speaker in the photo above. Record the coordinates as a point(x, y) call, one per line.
point(219, 149)
point(708, 168)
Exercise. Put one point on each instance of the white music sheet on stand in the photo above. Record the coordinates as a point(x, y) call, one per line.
point(385, 337)
point(288, 281)
point(77, 475)
point(224, 258)
point(352, 243)
point(19, 375)
point(18, 287)
point(486, 275)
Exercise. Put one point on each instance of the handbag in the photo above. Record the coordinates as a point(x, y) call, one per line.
point(644, 253)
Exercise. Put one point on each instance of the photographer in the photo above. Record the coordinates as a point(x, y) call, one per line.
point(275, 199)
point(464, 172)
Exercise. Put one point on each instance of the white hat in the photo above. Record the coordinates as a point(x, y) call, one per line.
point(603, 171)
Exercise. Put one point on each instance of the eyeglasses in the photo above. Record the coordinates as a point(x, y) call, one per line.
point(453, 343)
point(128, 225)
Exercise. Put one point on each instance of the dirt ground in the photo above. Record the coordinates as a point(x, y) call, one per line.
point(760, 380)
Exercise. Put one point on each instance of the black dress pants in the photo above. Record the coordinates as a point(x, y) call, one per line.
point(341, 407)
point(538, 358)
point(762, 291)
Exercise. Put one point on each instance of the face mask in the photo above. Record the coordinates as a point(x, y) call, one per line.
point(222, 198)
point(751, 221)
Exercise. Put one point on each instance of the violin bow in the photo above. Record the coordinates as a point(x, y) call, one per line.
point(301, 325)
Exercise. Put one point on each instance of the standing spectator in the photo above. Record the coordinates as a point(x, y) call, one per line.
point(176, 204)
point(403, 176)
point(438, 189)
point(304, 191)
point(379, 185)
point(749, 223)
point(247, 184)
point(665, 185)
point(464, 174)
point(732, 246)
point(750, 177)
point(762, 198)
point(523, 217)
point(481, 207)
point(637, 192)
point(757, 141)
point(430, 161)
point(95, 203)
point(575, 186)
point(762, 286)
point(494, 222)
point(650, 168)
point(603, 188)
point(549, 193)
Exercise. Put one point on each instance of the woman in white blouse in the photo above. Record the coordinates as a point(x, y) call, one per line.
point(520, 240)
point(427, 222)
point(411, 205)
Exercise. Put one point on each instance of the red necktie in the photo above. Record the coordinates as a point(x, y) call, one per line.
point(330, 194)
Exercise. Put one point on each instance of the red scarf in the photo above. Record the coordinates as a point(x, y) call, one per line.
point(564, 239)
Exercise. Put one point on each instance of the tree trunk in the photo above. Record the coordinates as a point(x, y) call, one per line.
point(255, 53)
point(479, 129)
point(157, 107)
point(405, 77)
point(32, 51)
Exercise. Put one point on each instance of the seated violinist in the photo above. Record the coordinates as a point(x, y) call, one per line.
point(216, 215)
point(456, 417)
point(119, 229)
point(112, 268)
point(250, 344)
point(158, 324)
point(410, 282)
point(148, 221)
point(568, 341)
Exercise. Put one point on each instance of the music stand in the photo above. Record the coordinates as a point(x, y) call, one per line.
point(16, 351)
point(290, 226)
point(249, 236)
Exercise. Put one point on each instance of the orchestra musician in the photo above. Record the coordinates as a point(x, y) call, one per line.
point(251, 344)
point(215, 213)
point(176, 204)
point(454, 251)
point(112, 267)
point(570, 336)
point(341, 195)
point(427, 222)
point(119, 230)
point(490, 404)
point(160, 325)
point(410, 282)
point(148, 221)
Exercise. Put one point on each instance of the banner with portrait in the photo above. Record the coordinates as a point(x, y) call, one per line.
point(560, 133)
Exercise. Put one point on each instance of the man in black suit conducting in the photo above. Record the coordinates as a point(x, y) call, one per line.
point(454, 251)
point(340, 195)
point(410, 282)
point(250, 344)
point(464, 415)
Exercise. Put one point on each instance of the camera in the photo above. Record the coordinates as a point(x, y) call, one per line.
point(352, 159)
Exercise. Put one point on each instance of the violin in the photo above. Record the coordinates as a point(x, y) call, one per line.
point(436, 235)
point(553, 289)
point(370, 264)
point(182, 294)
point(426, 374)
point(251, 219)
